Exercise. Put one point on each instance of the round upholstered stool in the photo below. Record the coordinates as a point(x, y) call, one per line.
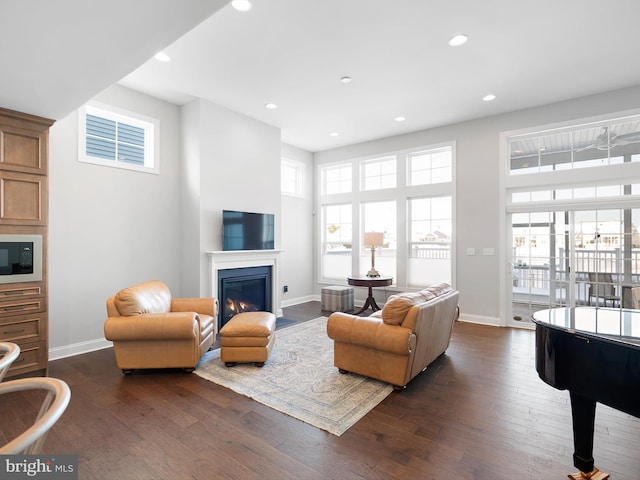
point(248, 338)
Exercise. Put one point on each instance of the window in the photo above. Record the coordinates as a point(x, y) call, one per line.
point(430, 240)
point(589, 145)
point(115, 138)
point(337, 237)
point(431, 166)
point(379, 173)
point(380, 217)
point(336, 179)
point(292, 178)
point(568, 219)
point(409, 196)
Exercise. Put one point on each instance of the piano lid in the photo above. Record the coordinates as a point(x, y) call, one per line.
point(609, 324)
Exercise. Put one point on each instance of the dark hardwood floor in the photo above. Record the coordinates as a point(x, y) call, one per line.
point(479, 412)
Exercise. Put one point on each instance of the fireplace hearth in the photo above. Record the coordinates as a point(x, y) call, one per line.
point(243, 290)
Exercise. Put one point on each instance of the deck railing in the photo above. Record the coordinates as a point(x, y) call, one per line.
point(539, 276)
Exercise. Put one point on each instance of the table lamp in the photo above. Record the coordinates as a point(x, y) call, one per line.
point(373, 240)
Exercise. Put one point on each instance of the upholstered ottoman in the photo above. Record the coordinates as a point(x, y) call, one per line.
point(248, 337)
point(336, 299)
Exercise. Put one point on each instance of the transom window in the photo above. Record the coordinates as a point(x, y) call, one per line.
point(379, 173)
point(430, 166)
point(590, 145)
point(337, 179)
point(115, 138)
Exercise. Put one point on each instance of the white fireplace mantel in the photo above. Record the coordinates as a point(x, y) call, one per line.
point(223, 260)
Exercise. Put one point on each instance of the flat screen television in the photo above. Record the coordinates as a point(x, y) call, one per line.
point(247, 230)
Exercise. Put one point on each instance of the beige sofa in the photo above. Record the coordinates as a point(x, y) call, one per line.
point(398, 342)
point(150, 329)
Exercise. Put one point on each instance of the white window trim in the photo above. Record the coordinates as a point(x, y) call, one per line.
point(401, 193)
point(561, 178)
point(152, 133)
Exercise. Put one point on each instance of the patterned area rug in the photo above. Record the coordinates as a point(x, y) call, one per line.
point(299, 379)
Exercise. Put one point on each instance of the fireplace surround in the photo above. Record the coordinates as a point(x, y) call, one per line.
point(225, 260)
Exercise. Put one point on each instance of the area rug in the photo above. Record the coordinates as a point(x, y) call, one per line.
point(299, 379)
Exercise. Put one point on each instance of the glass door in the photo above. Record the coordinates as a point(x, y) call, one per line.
point(540, 273)
point(573, 257)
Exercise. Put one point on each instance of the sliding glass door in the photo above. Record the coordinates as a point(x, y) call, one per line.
point(572, 258)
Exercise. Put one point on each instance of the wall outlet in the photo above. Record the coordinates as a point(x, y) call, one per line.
point(285, 289)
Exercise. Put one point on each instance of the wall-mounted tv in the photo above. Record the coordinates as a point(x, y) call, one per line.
point(247, 230)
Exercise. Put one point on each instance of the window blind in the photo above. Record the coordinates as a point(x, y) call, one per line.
point(112, 140)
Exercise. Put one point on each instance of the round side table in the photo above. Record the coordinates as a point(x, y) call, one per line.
point(370, 282)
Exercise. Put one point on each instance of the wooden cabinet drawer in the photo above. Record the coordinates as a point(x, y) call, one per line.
point(21, 307)
point(27, 328)
point(20, 299)
point(21, 290)
point(33, 356)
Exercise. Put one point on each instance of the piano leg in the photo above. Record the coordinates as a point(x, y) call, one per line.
point(595, 474)
point(583, 411)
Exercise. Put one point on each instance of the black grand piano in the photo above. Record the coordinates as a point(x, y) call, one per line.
point(595, 354)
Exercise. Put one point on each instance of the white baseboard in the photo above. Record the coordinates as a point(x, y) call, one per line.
point(299, 300)
point(481, 320)
point(57, 353)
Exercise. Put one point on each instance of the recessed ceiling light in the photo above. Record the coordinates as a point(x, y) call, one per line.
point(270, 106)
point(334, 134)
point(489, 97)
point(345, 79)
point(162, 57)
point(241, 5)
point(400, 119)
point(458, 40)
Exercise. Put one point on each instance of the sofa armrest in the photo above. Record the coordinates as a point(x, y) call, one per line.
point(369, 332)
point(205, 306)
point(153, 326)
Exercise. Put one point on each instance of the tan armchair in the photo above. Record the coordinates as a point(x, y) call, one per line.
point(398, 342)
point(149, 329)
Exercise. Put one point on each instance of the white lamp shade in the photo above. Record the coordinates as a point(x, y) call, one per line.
point(373, 239)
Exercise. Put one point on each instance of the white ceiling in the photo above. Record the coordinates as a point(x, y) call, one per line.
point(293, 53)
point(55, 56)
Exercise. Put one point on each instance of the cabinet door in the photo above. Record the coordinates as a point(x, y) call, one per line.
point(23, 149)
point(22, 199)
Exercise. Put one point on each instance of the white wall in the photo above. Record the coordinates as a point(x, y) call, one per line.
point(298, 235)
point(239, 169)
point(479, 212)
point(190, 264)
point(109, 228)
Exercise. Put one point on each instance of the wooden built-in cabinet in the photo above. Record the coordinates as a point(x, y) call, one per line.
point(24, 146)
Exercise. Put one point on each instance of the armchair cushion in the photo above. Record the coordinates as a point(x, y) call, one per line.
point(148, 297)
point(397, 306)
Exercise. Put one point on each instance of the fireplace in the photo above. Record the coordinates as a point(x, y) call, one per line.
point(219, 261)
point(243, 290)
